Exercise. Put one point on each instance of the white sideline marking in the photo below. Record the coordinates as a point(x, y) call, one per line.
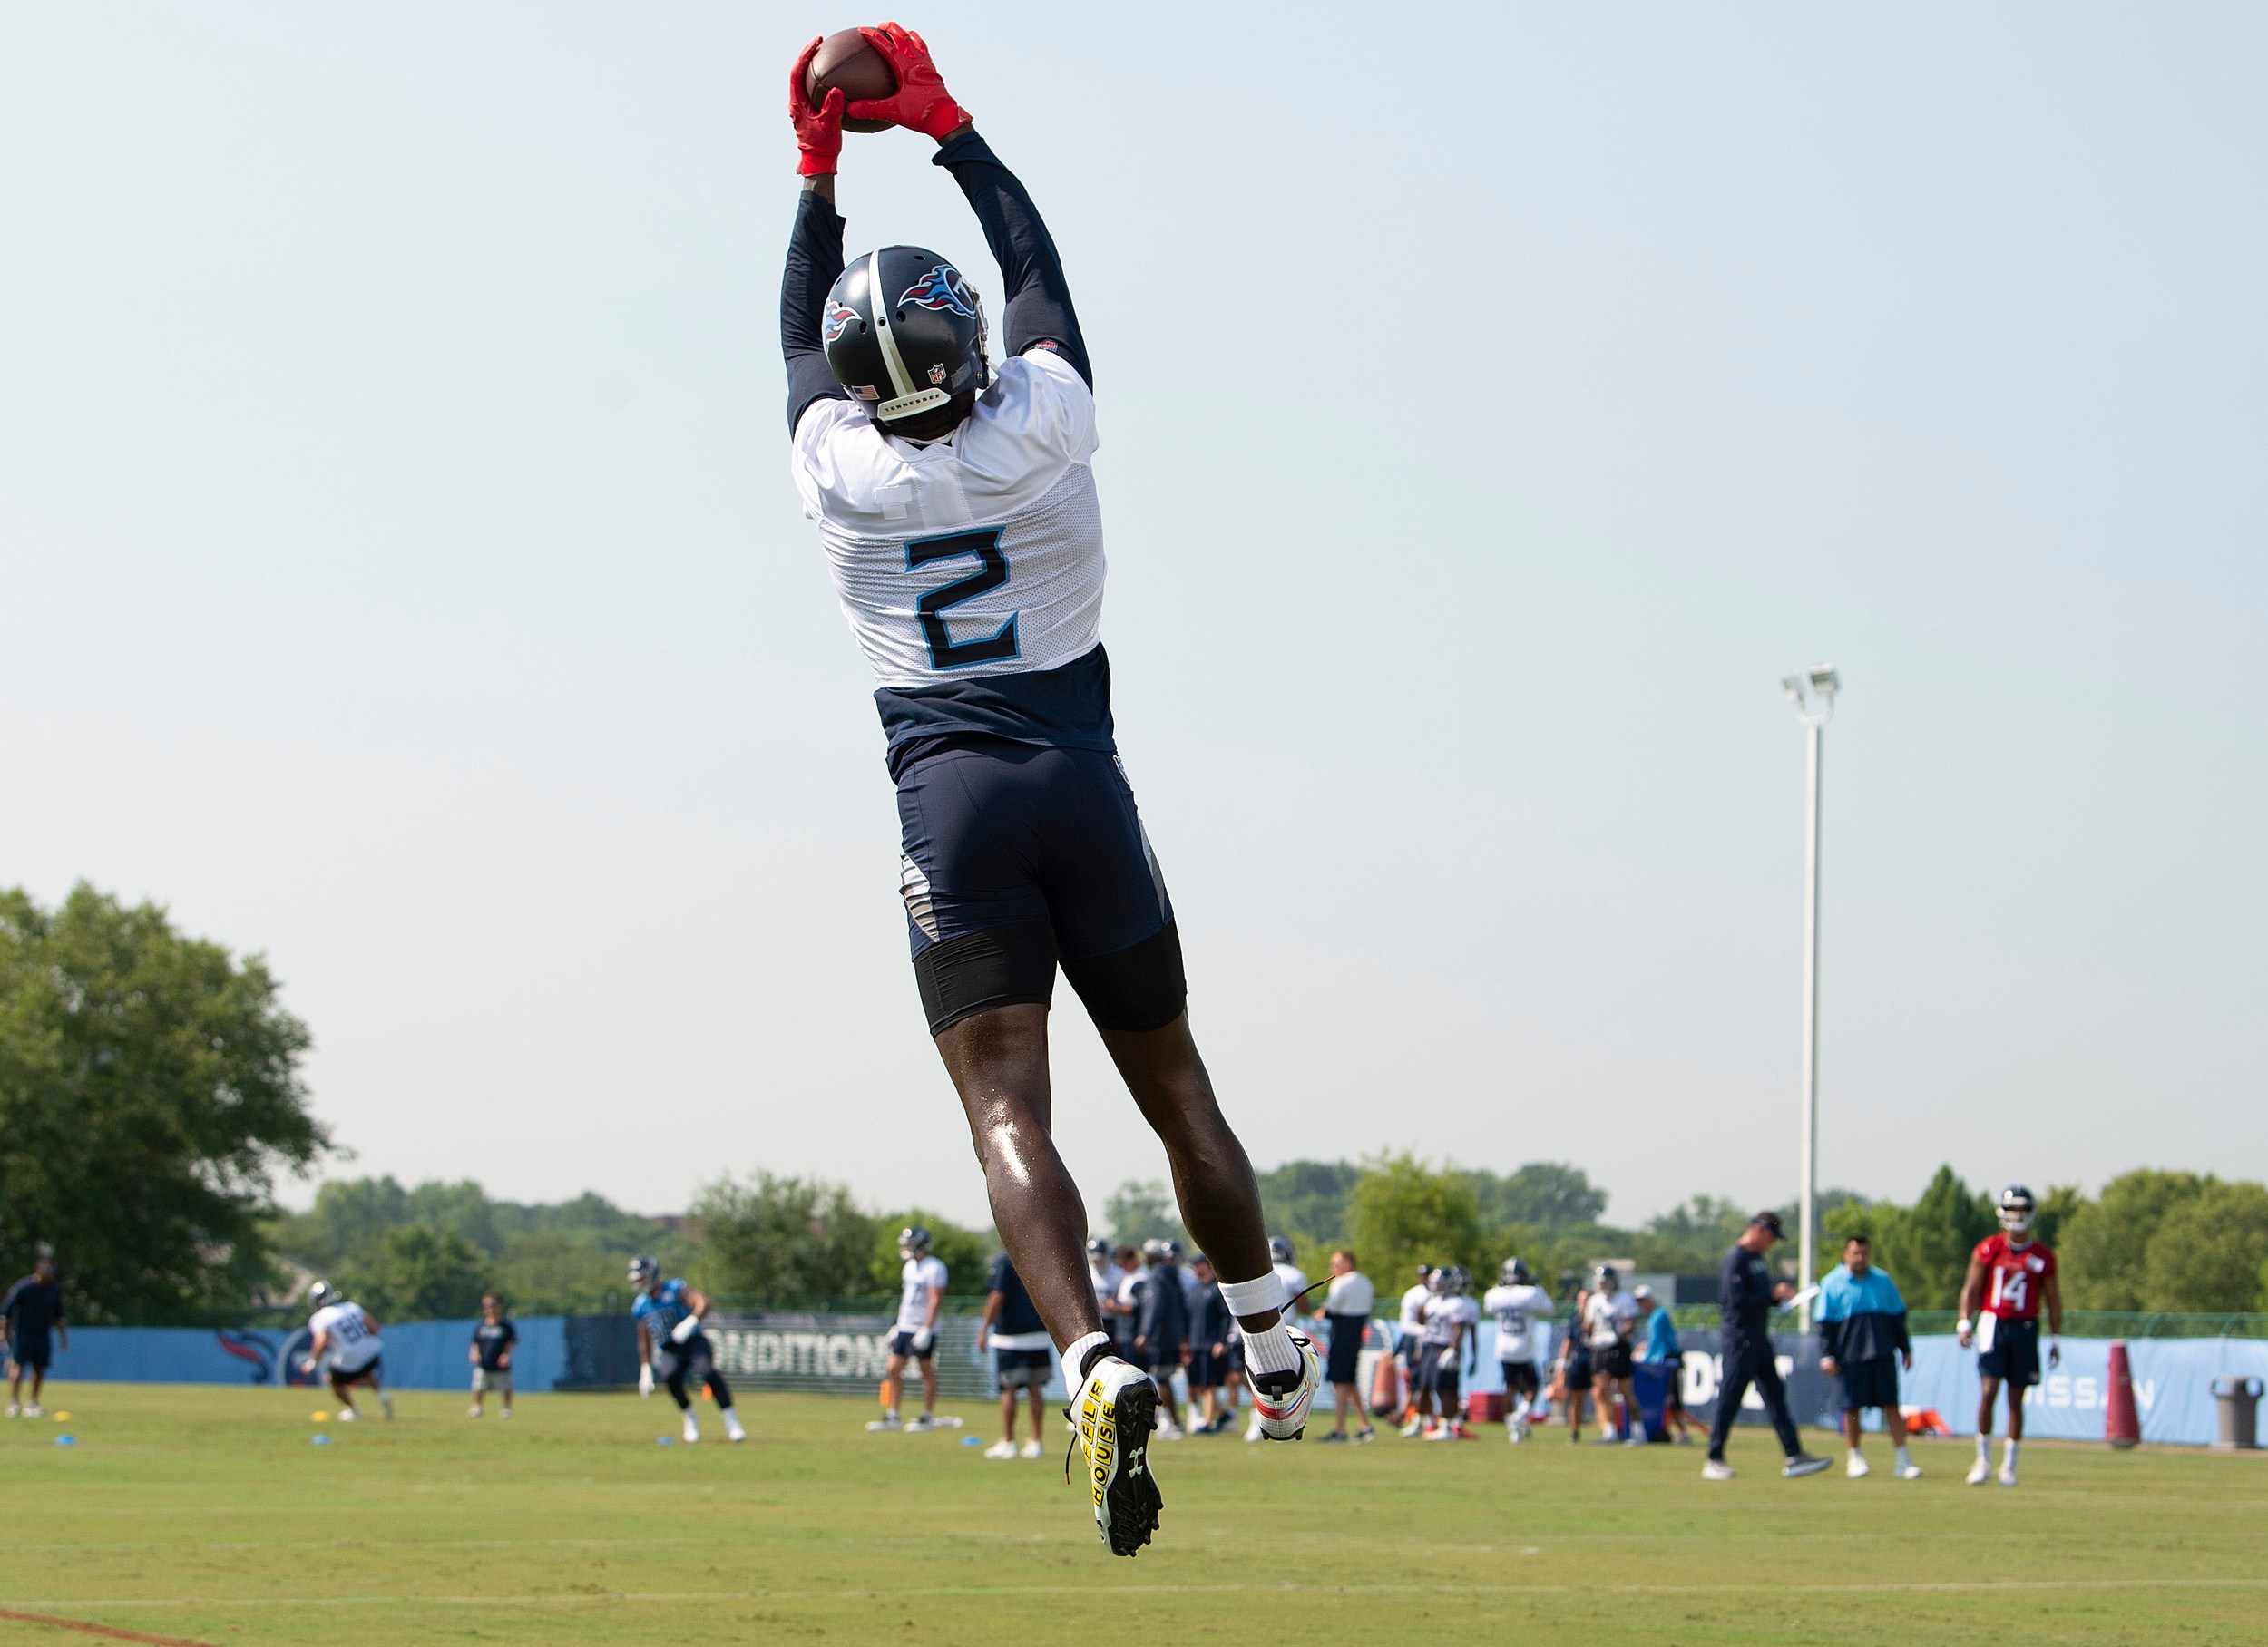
point(1959, 1586)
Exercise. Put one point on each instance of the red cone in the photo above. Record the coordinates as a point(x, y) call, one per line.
point(2121, 1427)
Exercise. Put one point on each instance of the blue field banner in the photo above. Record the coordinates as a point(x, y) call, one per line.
point(419, 1355)
point(2172, 1386)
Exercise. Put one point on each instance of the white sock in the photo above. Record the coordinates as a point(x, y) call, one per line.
point(2007, 1455)
point(1075, 1355)
point(1984, 1450)
point(1854, 1452)
point(1905, 1458)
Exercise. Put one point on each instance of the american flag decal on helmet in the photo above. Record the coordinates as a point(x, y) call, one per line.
point(942, 288)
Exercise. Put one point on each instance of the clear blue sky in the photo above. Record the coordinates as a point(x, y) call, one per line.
point(403, 576)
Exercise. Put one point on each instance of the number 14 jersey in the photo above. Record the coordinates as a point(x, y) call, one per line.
point(2014, 1276)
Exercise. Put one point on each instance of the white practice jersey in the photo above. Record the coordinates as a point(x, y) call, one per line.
point(1413, 1310)
point(1107, 1280)
point(1294, 1280)
point(919, 1280)
point(976, 555)
point(1517, 1309)
point(353, 1345)
point(1447, 1316)
point(1607, 1316)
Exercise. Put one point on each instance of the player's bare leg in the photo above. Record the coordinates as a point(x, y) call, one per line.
point(999, 1064)
point(929, 1385)
point(1212, 1177)
point(1988, 1396)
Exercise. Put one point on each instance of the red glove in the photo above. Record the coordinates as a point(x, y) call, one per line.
point(920, 104)
point(818, 131)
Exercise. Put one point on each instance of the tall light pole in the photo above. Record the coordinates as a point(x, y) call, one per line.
point(1814, 692)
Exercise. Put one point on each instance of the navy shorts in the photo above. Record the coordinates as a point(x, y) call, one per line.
point(1207, 1370)
point(31, 1353)
point(902, 1343)
point(1022, 1367)
point(1577, 1371)
point(1873, 1382)
point(2013, 1354)
point(1017, 856)
point(1520, 1378)
point(1346, 1346)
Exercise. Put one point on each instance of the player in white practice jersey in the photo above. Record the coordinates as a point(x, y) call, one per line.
point(343, 1340)
point(1517, 1306)
point(958, 511)
point(922, 1278)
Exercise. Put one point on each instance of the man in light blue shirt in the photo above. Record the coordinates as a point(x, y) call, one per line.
point(1661, 1349)
point(1862, 1337)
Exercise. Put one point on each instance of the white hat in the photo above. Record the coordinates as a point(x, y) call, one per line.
point(1643, 1292)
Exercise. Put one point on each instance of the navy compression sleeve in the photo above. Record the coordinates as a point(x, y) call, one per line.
point(1039, 306)
point(815, 260)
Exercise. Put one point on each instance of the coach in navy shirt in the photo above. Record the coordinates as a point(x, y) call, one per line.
point(1745, 1294)
point(33, 1309)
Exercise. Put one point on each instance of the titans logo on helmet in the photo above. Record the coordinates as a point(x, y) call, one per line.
point(838, 318)
point(942, 288)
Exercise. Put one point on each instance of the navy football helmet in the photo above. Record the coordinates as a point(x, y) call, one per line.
point(1279, 1250)
point(1515, 1273)
point(643, 1271)
point(912, 1242)
point(2016, 1209)
point(905, 333)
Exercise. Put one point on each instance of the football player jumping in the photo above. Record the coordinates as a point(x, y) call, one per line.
point(955, 503)
point(2014, 1275)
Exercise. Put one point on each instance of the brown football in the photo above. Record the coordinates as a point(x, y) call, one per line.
point(846, 60)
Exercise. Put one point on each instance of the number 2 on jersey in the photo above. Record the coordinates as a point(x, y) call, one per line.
point(944, 652)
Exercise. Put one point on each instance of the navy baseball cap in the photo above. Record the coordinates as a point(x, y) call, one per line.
point(1771, 1221)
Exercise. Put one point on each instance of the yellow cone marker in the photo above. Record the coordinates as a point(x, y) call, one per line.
point(319, 1418)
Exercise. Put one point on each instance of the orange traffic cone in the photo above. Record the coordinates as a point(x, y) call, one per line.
point(2121, 1427)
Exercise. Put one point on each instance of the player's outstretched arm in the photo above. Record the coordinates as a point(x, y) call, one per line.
point(1038, 300)
point(815, 245)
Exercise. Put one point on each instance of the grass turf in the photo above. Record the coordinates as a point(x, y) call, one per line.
point(205, 1515)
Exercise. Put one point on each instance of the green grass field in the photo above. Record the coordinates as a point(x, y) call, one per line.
point(205, 1515)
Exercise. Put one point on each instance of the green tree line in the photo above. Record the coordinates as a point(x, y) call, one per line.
point(151, 1098)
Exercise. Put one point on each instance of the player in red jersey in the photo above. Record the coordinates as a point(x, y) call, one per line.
point(2009, 1276)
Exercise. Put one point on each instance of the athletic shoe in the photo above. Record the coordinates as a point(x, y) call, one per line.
point(1168, 1430)
point(1113, 1416)
point(505, 1414)
point(945, 1420)
point(1639, 1440)
point(33, 1410)
point(922, 1425)
point(1458, 1431)
point(1439, 1432)
point(1717, 1469)
point(347, 1415)
point(385, 1406)
point(888, 1421)
point(1413, 1427)
point(1908, 1472)
point(2008, 1475)
point(1280, 1401)
point(1001, 1449)
point(1857, 1467)
point(1337, 1437)
point(692, 1429)
point(1684, 1438)
point(1608, 1439)
point(472, 1412)
point(734, 1431)
point(1511, 1433)
point(1030, 1451)
point(1803, 1463)
point(1366, 1434)
point(1980, 1473)
point(15, 1411)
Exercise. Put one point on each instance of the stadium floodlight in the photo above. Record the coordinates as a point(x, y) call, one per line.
point(1813, 694)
